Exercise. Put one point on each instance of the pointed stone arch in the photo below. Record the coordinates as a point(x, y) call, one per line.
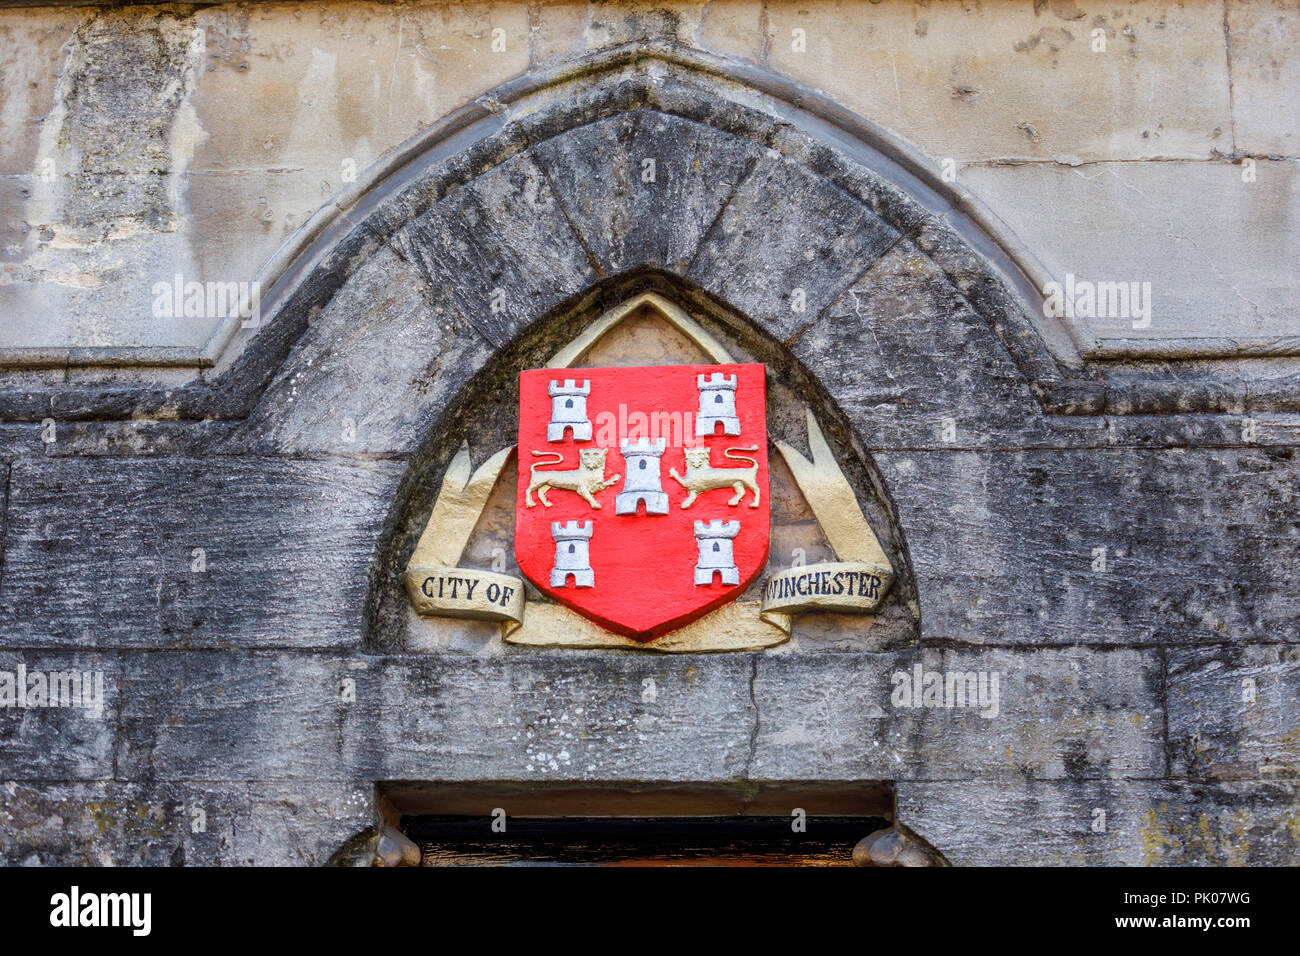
point(501, 174)
point(820, 240)
point(831, 254)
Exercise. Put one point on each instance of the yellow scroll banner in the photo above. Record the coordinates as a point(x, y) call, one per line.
point(856, 583)
point(838, 586)
point(859, 581)
point(433, 581)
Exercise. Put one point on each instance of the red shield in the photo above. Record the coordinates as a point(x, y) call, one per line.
point(676, 458)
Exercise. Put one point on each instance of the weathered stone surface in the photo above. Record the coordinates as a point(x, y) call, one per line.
point(859, 173)
point(641, 21)
point(903, 321)
point(1068, 713)
point(223, 823)
point(102, 203)
point(58, 715)
point(241, 375)
point(97, 297)
point(279, 202)
point(1146, 823)
point(278, 715)
point(252, 715)
point(1234, 712)
point(767, 243)
point(326, 400)
point(1263, 38)
point(988, 82)
point(318, 66)
point(100, 556)
point(501, 249)
point(236, 716)
point(557, 31)
point(120, 66)
point(209, 89)
point(963, 266)
point(120, 439)
point(32, 47)
point(1003, 544)
point(429, 308)
point(733, 28)
point(1200, 254)
point(557, 716)
point(282, 715)
point(883, 430)
point(1044, 348)
point(600, 172)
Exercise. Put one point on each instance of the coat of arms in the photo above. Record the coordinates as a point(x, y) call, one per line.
point(642, 498)
point(641, 505)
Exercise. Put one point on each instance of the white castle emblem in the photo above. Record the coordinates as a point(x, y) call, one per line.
point(569, 410)
point(717, 404)
point(642, 481)
point(572, 557)
point(715, 539)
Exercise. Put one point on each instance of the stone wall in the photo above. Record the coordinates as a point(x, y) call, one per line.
point(143, 142)
point(215, 517)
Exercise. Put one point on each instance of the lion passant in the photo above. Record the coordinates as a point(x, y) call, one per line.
point(702, 476)
point(586, 480)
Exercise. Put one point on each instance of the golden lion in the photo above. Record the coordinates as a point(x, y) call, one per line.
point(701, 476)
point(587, 479)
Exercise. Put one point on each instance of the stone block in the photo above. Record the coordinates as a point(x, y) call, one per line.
point(990, 83)
point(104, 553)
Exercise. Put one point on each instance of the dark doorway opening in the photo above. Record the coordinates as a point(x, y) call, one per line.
point(513, 823)
point(640, 841)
